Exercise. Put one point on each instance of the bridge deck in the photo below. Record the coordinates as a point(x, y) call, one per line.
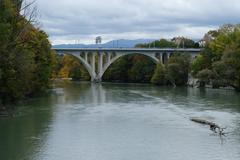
point(129, 49)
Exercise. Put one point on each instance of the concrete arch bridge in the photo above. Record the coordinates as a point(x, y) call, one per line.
point(104, 57)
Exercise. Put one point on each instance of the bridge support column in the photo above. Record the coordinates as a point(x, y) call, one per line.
point(98, 73)
point(86, 56)
point(160, 58)
point(108, 58)
point(93, 75)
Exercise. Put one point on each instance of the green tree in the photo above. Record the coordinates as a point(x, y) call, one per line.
point(205, 76)
point(141, 70)
point(25, 54)
point(159, 75)
point(118, 71)
point(162, 43)
point(76, 73)
point(203, 61)
point(178, 69)
point(131, 68)
point(232, 59)
point(182, 42)
point(220, 61)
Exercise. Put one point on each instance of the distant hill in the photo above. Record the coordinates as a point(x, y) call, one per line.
point(121, 43)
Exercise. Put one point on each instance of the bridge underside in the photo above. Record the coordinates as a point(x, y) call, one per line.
point(97, 63)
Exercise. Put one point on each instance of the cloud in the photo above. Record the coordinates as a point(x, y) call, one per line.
point(69, 20)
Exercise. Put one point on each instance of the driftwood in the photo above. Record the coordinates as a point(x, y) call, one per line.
point(213, 126)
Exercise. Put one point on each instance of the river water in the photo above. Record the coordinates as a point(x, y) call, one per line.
point(84, 121)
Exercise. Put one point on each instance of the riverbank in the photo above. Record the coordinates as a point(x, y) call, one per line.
point(195, 83)
point(192, 83)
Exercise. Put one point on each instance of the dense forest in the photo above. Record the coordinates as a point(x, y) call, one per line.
point(25, 53)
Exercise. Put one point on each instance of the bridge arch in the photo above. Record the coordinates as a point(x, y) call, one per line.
point(84, 62)
point(114, 59)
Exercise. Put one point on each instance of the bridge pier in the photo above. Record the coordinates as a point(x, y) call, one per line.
point(100, 64)
point(96, 80)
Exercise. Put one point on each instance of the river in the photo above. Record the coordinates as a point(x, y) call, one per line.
point(84, 121)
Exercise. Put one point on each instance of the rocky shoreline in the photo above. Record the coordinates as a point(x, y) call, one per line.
point(194, 83)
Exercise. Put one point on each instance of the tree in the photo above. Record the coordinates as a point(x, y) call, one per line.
point(221, 74)
point(25, 53)
point(220, 61)
point(182, 42)
point(197, 65)
point(131, 68)
point(178, 69)
point(70, 67)
point(142, 69)
point(162, 43)
point(205, 76)
point(159, 75)
point(42, 59)
point(203, 61)
point(229, 70)
point(118, 71)
point(76, 73)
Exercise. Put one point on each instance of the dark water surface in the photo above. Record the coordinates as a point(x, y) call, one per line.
point(83, 121)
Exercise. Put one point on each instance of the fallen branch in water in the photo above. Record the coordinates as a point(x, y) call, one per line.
point(213, 126)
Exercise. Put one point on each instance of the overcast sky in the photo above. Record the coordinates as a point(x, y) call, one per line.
point(69, 20)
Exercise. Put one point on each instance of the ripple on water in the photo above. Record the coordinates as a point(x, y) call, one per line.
point(125, 122)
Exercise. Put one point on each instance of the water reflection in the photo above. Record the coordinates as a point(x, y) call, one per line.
point(121, 121)
point(23, 134)
point(83, 93)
